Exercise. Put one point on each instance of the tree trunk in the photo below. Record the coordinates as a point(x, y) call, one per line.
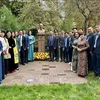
point(86, 23)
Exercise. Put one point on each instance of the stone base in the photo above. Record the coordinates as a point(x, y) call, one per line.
point(41, 43)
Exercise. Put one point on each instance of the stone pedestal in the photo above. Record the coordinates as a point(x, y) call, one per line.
point(41, 43)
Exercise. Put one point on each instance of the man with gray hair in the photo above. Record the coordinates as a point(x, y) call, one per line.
point(90, 37)
point(51, 45)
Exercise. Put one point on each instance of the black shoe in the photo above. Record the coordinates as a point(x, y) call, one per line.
point(26, 62)
point(52, 60)
point(57, 60)
point(23, 64)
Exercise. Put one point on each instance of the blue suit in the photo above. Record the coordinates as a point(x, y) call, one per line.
point(90, 39)
point(66, 48)
point(61, 44)
point(22, 48)
point(51, 44)
point(70, 50)
point(1, 49)
point(96, 55)
point(27, 47)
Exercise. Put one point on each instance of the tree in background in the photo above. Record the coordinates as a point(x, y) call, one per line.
point(7, 20)
point(37, 11)
point(89, 9)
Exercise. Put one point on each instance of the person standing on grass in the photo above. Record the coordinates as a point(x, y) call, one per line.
point(16, 36)
point(83, 45)
point(66, 47)
point(96, 52)
point(70, 50)
point(61, 45)
point(75, 53)
point(6, 53)
point(11, 46)
point(16, 59)
point(56, 51)
point(31, 46)
point(22, 46)
point(2, 54)
point(51, 45)
point(27, 45)
point(90, 37)
point(1, 50)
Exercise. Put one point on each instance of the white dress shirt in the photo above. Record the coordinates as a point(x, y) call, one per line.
point(97, 35)
point(21, 40)
point(3, 43)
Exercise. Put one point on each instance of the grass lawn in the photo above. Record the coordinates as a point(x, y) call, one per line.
point(87, 91)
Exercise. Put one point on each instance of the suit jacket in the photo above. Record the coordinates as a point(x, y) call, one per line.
point(27, 40)
point(53, 41)
point(71, 39)
point(56, 41)
point(67, 42)
point(23, 42)
point(1, 47)
point(90, 38)
point(97, 49)
point(61, 41)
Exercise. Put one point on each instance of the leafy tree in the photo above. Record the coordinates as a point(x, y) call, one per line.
point(7, 20)
point(13, 5)
point(46, 13)
point(88, 8)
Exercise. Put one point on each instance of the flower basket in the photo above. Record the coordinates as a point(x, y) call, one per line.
point(41, 56)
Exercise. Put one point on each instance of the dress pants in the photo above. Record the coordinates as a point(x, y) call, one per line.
point(3, 66)
point(62, 54)
point(90, 61)
point(51, 52)
point(66, 54)
point(6, 66)
point(26, 55)
point(22, 54)
point(56, 53)
point(96, 63)
point(70, 52)
point(0, 69)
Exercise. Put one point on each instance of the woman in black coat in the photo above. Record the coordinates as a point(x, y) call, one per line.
point(11, 46)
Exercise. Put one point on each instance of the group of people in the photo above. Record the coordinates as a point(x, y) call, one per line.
point(79, 50)
point(15, 47)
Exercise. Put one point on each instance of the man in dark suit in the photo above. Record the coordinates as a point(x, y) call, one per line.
point(51, 45)
point(61, 45)
point(22, 46)
point(70, 50)
point(66, 47)
point(56, 51)
point(27, 45)
point(96, 52)
point(90, 37)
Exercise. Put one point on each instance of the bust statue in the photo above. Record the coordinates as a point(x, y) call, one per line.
point(41, 30)
point(41, 38)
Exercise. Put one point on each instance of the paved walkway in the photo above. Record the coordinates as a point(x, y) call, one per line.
point(43, 72)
